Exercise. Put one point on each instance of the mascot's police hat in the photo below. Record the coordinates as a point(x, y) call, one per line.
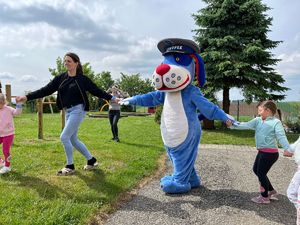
point(188, 47)
point(177, 45)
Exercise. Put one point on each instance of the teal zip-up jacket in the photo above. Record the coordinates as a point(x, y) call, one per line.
point(267, 132)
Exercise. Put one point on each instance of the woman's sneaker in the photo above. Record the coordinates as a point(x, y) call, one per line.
point(273, 195)
point(261, 200)
point(65, 172)
point(5, 169)
point(91, 164)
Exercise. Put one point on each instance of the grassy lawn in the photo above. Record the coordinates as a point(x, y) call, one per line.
point(33, 194)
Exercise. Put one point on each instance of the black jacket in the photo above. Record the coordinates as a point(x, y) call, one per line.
point(84, 84)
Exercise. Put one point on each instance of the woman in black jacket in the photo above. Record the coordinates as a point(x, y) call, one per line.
point(71, 88)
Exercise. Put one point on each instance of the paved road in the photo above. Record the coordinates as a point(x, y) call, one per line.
point(228, 184)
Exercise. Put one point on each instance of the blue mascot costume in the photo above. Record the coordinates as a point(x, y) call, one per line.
point(182, 102)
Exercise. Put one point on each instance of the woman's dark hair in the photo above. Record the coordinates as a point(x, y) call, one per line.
point(77, 60)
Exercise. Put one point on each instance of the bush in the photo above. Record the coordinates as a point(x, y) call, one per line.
point(158, 114)
point(128, 108)
point(292, 126)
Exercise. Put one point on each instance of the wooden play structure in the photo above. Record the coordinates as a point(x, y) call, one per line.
point(40, 103)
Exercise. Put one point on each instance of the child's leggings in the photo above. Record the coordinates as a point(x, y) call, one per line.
point(6, 143)
point(293, 193)
point(114, 116)
point(263, 163)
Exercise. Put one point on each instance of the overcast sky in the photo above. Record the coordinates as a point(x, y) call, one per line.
point(117, 36)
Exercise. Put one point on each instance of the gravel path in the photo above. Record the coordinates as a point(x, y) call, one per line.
point(228, 184)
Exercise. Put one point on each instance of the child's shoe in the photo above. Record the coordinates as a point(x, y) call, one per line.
point(2, 163)
point(5, 169)
point(261, 200)
point(273, 195)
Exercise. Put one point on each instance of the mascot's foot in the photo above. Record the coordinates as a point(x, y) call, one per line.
point(172, 187)
point(195, 183)
point(166, 178)
point(195, 180)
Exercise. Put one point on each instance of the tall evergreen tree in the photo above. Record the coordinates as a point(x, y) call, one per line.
point(232, 36)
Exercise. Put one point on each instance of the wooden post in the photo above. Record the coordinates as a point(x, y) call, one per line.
point(238, 110)
point(62, 112)
point(0, 87)
point(40, 118)
point(8, 92)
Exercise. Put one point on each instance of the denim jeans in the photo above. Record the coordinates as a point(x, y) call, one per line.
point(73, 118)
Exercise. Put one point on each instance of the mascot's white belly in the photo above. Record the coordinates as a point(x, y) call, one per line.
point(174, 123)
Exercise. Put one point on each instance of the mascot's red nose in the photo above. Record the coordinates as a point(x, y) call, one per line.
point(162, 69)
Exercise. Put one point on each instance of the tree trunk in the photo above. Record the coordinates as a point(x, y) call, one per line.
point(208, 124)
point(226, 100)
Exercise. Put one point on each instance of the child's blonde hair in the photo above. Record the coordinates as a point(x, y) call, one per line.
point(2, 98)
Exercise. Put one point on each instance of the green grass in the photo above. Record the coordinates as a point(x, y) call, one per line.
point(33, 194)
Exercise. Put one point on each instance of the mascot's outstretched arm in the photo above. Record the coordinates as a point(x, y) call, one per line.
point(208, 109)
point(150, 99)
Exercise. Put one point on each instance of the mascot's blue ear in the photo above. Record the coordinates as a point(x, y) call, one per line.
point(200, 71)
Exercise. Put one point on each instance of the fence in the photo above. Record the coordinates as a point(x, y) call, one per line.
point(290, 110)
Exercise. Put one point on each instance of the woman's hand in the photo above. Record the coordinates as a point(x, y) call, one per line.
point(21, 99)
point(229, 123)
point(118, 100)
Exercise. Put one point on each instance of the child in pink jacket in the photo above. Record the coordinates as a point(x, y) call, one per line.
point(7, 131)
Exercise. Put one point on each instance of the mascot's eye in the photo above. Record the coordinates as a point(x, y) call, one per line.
point(178, 78)
point(157, 80)
point(167, 79)
point(182, 59)
point(173, 75)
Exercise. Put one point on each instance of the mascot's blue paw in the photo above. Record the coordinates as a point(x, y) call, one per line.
point(172, 187)
point(195, 182)
point(166, 178)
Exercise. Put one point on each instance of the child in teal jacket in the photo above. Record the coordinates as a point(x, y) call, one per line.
point(268, 130)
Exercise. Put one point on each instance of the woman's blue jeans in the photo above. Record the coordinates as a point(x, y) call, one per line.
point(73, 118)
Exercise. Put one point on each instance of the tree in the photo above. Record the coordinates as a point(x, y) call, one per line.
point(60, 68)
point(104, 80)
point(134, 84)
point(232, 36)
